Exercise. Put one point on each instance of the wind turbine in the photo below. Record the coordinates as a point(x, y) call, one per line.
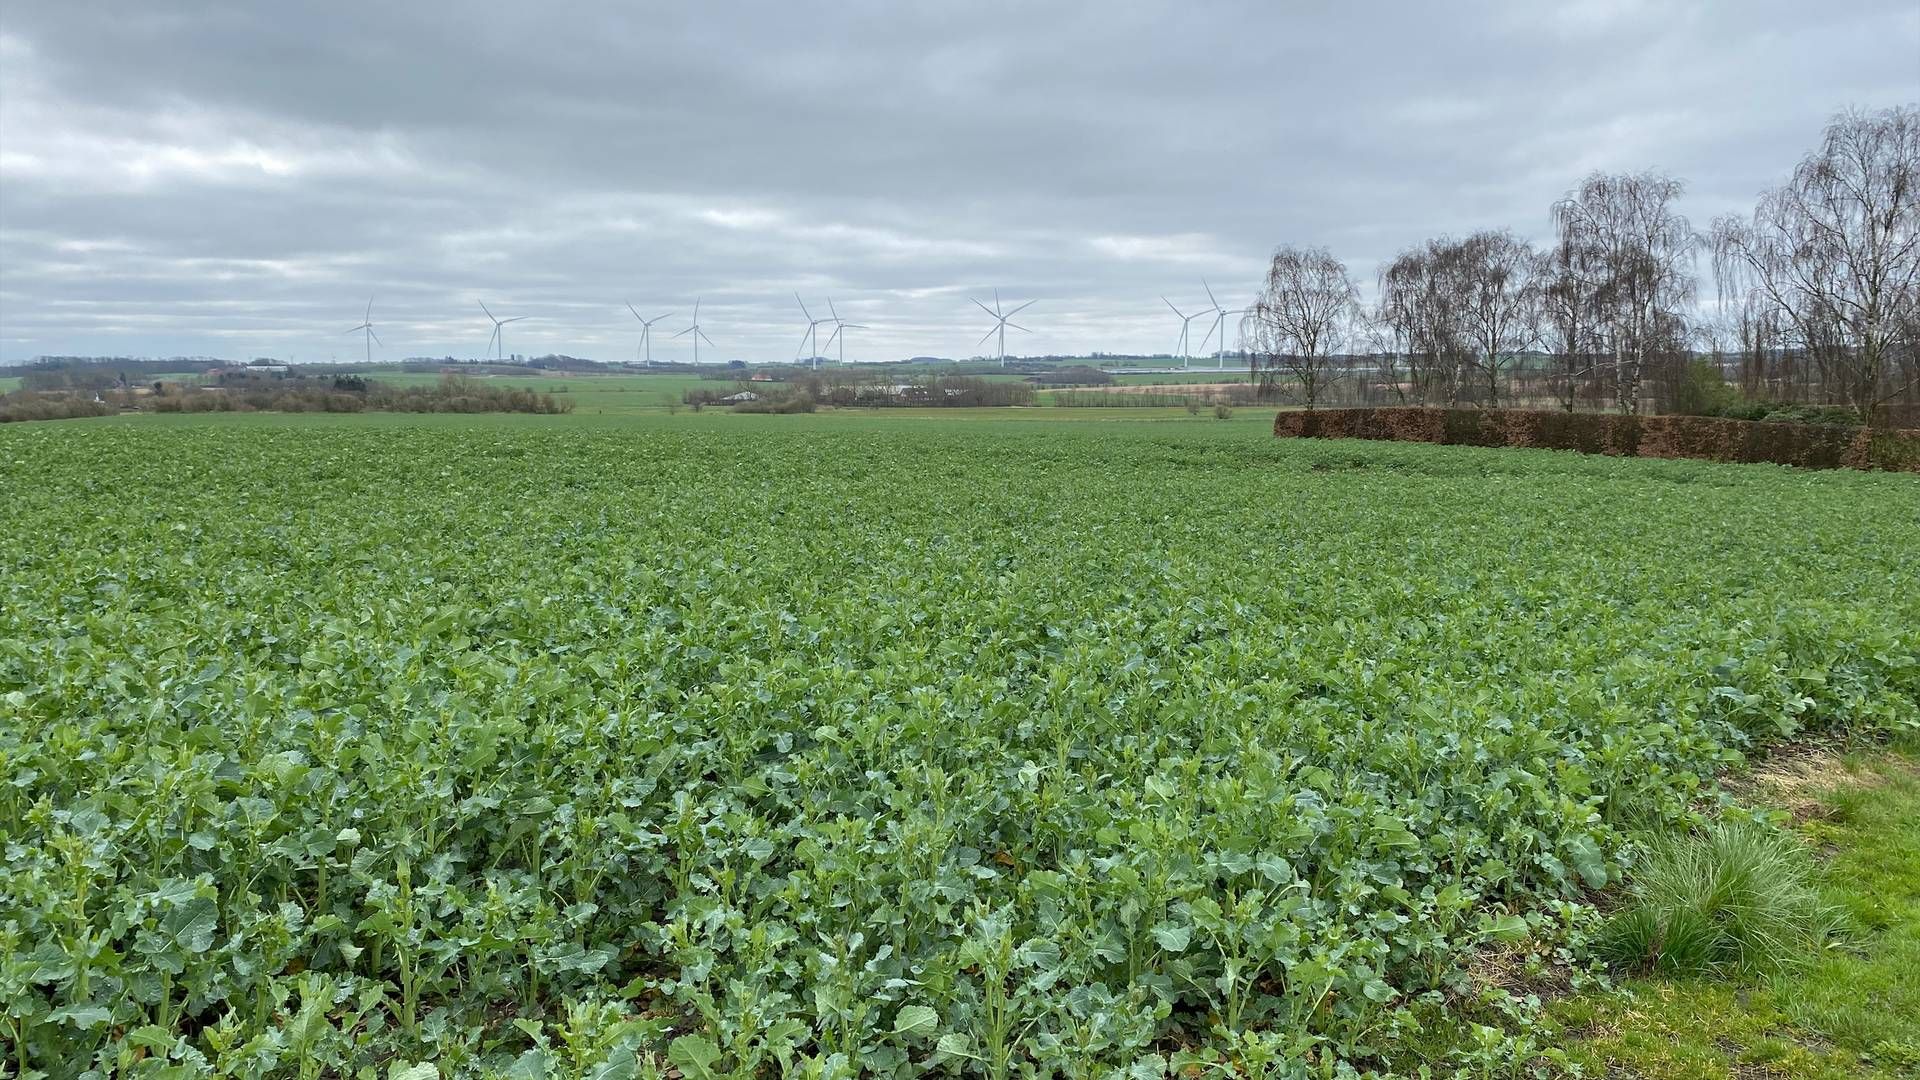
point(366, 324)
point(1185, 321)
point(812, 331)
point(838, 326)
point(696, 332)
point(1219, 325)
point(499, 331)
point(1000, 322)
point(646, 332)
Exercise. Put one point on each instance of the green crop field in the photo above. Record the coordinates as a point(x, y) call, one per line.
point(855, 744)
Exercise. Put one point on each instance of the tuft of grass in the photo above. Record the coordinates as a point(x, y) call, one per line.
point(1738, 897)
point(1846, 1014)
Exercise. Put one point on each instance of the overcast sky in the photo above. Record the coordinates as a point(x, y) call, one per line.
point(235, 179)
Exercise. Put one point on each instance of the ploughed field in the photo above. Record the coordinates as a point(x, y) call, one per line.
point(751, 745)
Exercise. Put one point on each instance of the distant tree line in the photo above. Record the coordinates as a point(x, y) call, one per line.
point(858, 387)
point(295, 393)
point(1818, 301)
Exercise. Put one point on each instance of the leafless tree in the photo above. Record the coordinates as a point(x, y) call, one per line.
point(1302, 320)
point(1569, 313)
point(1499, 302)
point(1419, 309)
point(1833, 255)
point(1387, 348)
point(1747, 327)
point(1637, 253)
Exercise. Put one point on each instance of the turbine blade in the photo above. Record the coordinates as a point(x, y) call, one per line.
point(376, 337)
point(657, 318)
point(1022, 307)
point(984, 308)
point(831, 311)
point(996, 303)
point(369, 315)
point(355, 330)
point(696, 313)
point(705, 338)
point(988, 334)
point(685, 332)
point(1017, 326)
point(835, 334)
point(636, 314)
point(803, 307)
point(516, 318)
point(1209, 288)
point(1170, 306)
point(483, 307)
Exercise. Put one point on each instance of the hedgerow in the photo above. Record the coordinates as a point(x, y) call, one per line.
point(809, 746)
point(1818, 444)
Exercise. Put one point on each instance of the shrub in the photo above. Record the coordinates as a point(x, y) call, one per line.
point(789, 404)
point(1734, 407)
point(1703, 391)
point(1821, 415)
point(1813, 446)
point(1738, 897)
point(1223, 411)
point(28, 405)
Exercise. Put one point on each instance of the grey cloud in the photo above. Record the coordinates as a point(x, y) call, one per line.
point(237, 177)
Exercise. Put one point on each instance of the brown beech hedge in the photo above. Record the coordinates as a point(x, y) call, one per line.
point(1707, 438)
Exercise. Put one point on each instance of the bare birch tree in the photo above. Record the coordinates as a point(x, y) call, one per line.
point(1303, 320)
point(1419, 309)
point(1569, 312)
point(1639, 250)
point(1499, 302)
point(1833, 255)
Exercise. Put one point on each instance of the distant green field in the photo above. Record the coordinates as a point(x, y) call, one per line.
point(1196, 375)
point(650, 417)
point(634, 395)
point(9, 382)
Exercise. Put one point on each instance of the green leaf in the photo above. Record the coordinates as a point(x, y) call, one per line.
point(188, 928)
point(85, 1017)
point(1587, 861)
point(915, 1020)
point(1173, 938)
point(150, 1037)
point(954, 1045)
point(1508, 928)
point(695, 1056)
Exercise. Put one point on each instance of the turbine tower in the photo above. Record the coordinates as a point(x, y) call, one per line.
point(366, 324)
point(838, 326)
point(1000, 322)
point(696, 332)
point(646, 332)
point(1219, 325)
point(499, 332)
point(1186, 320)
point(812, 331)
